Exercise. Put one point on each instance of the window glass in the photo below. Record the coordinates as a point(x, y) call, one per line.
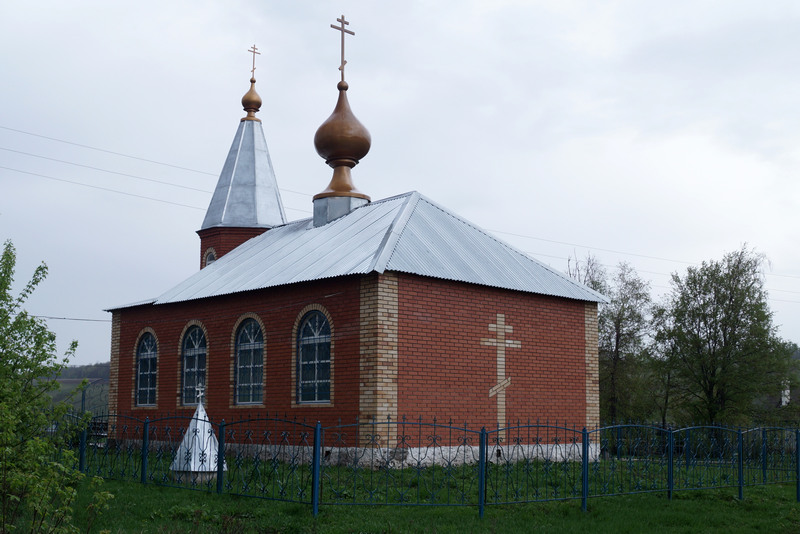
point(146, 368)
point(249, 362)
point(314, 358)
point(194, 364)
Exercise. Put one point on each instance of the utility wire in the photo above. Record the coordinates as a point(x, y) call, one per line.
point(306, 211)
point(72, 319)
point(121, 192)
point(106, 170)
point(106, 151)
point(133, 175)
point(770, 291)
point(287, 190)
point(102, 188)
point(592, 248)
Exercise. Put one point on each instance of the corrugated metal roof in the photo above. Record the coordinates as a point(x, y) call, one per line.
point(408, 233)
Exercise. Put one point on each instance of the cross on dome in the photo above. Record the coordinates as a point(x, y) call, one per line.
point(253, 50)
point(342, 22)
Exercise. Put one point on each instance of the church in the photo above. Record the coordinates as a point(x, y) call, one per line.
point(368, 310)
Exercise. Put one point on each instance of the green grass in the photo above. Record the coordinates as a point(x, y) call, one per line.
point(138, 508)
point(534, 480)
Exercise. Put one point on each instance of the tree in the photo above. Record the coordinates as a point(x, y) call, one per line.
point(623, 325)
point(721, 346)
point(37, 479)
point(589, 272)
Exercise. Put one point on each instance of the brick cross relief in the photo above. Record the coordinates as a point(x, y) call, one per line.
point(503, 381)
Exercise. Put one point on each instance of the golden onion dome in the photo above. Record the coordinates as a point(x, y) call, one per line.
point(251, 102)
point(342, 136)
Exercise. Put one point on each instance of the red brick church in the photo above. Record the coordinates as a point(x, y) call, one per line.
point(369, 309)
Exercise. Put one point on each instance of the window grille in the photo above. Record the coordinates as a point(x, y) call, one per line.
point(146, 373)
point(194, 364)
point(249, 362)
point(314, 358)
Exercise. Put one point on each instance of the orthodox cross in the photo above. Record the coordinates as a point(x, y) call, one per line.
point(253, 50)
point(342, 22)
point(200, 391)
point(503, 381)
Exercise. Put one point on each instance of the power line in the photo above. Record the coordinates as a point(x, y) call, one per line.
point(306, 211)
point(615, 252)
point(125, 156)
point(121, 192)
point(102, 188)
point(591, 248)
point(126, 174)
point(106, 170)
point(287, 190)
point(770, 291)
point(72, 319)
point(106, 151)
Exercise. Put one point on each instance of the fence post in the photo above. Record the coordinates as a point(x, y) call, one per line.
point(764, 455)
point(145, 447)
point(315, 468)
point(670, 463)
point(82, 451)
point(482, 472)
point(741, 464)
point(221, 458)
point(688, 449)
point(797, 462)
point(585, 470)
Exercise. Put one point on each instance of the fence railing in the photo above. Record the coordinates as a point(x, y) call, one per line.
point(415, 462)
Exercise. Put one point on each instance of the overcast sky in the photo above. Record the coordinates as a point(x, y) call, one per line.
point(657, 133)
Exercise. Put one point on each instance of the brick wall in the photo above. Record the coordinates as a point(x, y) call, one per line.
point(277, 309)
point(446, 370)
point(403, 345)
point(224, 239)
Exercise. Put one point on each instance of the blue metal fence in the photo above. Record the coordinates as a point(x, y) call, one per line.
point(407, 462)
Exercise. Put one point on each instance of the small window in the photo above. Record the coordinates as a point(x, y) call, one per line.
point(146, 370)
point(194, 364)
point(211, 257)
point(314, 358)
point(249, 362)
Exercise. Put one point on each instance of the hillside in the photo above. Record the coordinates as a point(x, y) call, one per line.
point(95, 396)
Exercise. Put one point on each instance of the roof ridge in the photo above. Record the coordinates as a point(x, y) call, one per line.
point(392, 235)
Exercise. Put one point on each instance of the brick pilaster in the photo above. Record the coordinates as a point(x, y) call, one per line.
point(113, 387)
point(378, 353)
point(592, 366)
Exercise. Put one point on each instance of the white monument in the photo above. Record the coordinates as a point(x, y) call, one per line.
point(196, 458)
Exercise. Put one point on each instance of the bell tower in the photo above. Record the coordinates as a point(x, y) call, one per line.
point(246, 201)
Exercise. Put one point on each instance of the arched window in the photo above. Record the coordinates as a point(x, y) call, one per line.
point(194, 363)
point(211, 257)
point(314, 358)
point(146, 370)
point(249, 362)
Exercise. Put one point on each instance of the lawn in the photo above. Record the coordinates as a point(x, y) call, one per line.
point(150, 508)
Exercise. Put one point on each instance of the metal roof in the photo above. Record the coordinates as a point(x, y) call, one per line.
point(407, 233)
point(247, 193)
